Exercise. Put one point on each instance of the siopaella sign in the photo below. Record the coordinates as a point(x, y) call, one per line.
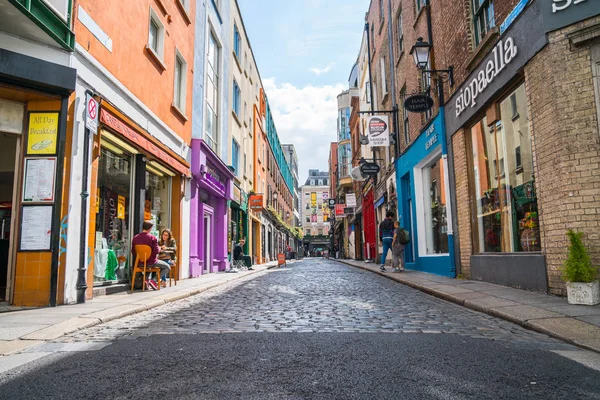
point(521, 41)
point(560, 13)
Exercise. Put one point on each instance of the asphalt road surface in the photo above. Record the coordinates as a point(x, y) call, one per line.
point(315, 330)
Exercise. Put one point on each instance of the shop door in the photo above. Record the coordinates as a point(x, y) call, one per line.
point(369, 225)
point(207, 242)
point(8, 151)
point(407, 218)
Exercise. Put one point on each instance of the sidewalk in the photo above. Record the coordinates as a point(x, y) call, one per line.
point(20, 330)
point(543, 313)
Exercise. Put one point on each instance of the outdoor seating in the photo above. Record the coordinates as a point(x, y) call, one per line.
point(142, 254)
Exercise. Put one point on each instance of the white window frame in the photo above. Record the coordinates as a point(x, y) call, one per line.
point(420, 203)
point(384, 89)
point(159, 52)
point(180, 103)
point(217, 110)
point(400, 27)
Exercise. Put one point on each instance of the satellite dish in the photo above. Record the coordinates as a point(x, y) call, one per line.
point(363, 139)
point(357, 175)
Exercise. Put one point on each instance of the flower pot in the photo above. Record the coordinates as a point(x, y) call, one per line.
point(583, 293)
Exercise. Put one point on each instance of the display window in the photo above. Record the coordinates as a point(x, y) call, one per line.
point(157, 206)
point(505, 202)
point(113, 210)
point(434, 198)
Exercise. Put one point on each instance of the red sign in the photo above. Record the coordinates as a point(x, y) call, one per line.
point(255, 202)
point(132, 136)
point(339, 210)
point(93, 108)
point(281, 259)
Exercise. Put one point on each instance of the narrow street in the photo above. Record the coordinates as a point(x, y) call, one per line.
point(317, 329)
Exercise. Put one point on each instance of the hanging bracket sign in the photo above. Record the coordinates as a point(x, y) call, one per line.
point(370, 169)
point(418, 103)
point(378, 131)
point(91, 113)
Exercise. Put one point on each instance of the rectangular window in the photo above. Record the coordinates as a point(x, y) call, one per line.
point(400, 34)
point(237, 42)
point(236, 98)
point(483, 18)
point(156, 34)
point(434, 198)
point(505, 202)
point(245, 163)
point(179, 94)
point(384, 89)
point(420, 4)
point(381, 12)
point(405, 118)
point(235, 156)
point(368, 92)
point(212, 93)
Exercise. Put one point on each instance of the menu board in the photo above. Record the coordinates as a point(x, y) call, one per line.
point(36, 227)
point(38, 184)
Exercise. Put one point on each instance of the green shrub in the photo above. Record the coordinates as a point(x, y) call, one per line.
point(578, 266)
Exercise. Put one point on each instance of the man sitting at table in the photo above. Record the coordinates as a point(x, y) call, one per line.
point(145, 237)
point(238, 254)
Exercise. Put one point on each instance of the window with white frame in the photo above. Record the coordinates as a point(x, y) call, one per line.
point(156, 34)
point(384, 89)
point(434, 199)
point(237, 94)
point(400, 33)
point(212, 93)
point(237, 42)
point(180, 83)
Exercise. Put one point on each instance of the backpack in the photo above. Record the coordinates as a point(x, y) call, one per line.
point(138, 281)
point(403, 236)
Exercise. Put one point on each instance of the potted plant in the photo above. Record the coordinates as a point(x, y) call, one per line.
point(579, 273)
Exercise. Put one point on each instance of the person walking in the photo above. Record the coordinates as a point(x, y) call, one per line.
point(386, 236)
point(398, 248)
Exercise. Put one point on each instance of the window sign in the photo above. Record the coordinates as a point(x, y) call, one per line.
point(38, 183)
point(42, 134)
point(36, 228)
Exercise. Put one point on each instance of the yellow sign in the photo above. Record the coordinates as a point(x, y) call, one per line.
point(42, 134)
point(121, 207)
point(313, 199)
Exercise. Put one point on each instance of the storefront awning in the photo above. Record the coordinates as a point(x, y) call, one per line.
point(143, 143)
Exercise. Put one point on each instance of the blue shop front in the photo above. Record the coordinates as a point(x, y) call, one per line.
point(424, 201)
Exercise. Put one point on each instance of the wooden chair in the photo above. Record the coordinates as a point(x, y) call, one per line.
point(142, 254)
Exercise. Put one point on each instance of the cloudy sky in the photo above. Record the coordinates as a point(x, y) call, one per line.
point(305, 50)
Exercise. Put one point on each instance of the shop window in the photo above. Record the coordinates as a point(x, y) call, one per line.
point(434, 195)
point(113, 231)
point(483, 18)
point(505, 200)
point(158, 198)
point(212, 94)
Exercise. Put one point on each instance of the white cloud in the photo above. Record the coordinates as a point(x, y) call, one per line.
point(320, 71)
point(307, 118)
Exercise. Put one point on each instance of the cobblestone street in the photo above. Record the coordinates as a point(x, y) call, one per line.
point(315, 296)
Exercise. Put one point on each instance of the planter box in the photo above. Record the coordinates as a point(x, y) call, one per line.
point(583, 293)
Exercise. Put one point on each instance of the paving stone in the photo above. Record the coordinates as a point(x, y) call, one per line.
point(524, 313)
point(489, 302)
point(15, 346)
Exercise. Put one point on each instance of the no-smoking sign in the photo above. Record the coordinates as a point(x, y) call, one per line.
point(91, 113)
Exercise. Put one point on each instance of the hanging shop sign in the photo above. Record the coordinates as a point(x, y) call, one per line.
point(518, 45)
point(351, 199)
point(560, 13)
point(339, 210)
point(256, 202)
point(370, 169)
point(418, 103)
point(237, 194)
point(42, 134)
point(331, 203)
point(378, 130)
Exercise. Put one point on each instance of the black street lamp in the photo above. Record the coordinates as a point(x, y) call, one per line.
point(421, 52)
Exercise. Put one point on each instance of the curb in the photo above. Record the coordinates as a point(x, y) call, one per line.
point(88, 321)
point(527, 324)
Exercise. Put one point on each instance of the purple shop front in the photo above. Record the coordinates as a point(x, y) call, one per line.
point(211, 188)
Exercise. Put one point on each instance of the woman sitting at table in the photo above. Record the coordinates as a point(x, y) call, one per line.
point(168, 250)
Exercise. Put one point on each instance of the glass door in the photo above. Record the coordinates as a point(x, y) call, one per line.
point(113, 225)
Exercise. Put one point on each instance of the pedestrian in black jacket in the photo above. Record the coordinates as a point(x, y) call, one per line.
point(386, 236)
